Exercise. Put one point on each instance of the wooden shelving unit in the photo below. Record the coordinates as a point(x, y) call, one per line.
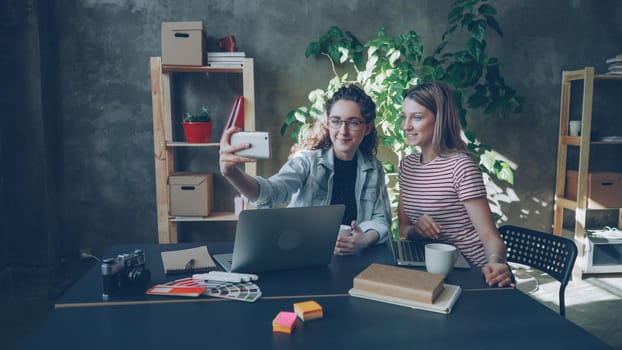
point(580, 205)
point(163, 137)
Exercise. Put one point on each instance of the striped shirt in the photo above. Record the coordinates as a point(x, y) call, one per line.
point(438, 189)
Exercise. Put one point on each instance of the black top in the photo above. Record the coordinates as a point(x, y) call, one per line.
point(343, 188)
point(188, 325)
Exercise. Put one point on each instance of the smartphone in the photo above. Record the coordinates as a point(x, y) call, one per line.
point(259, 140)
point(345, 230)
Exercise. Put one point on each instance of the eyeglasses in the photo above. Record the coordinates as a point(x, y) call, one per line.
point(352, 124)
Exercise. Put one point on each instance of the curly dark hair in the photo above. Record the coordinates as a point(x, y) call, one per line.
point(317, 137)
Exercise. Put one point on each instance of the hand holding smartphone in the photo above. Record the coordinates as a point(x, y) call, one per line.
point(259, 141)
point(345, 230)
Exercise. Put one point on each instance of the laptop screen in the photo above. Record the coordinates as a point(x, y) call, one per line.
point(285, 238)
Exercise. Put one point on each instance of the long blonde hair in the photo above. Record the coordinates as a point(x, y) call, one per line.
point(439, 99)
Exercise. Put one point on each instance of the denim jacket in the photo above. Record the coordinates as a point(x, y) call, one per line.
point(307, 180)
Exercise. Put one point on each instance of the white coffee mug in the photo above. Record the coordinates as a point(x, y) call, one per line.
point(440, 258)
point(575, 127)
point(240, 203)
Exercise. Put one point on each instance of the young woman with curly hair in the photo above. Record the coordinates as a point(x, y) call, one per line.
point(335, 163)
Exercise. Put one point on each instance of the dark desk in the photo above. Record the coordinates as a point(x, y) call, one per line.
point(334, 279)
point(491, 319)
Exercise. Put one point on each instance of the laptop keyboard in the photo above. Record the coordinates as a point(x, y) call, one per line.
point(410, 251)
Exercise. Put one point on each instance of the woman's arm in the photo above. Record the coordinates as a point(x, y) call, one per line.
point(242, 182)
point(381, 216)
point(406, 229)
point(496, 271)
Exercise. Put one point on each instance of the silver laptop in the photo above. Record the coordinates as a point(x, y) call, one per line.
point(283, 238)
point(412, 253)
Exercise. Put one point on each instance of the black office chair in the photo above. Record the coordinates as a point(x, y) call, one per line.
point(546, 252)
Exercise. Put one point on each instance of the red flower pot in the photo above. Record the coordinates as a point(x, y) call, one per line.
point(197, 132)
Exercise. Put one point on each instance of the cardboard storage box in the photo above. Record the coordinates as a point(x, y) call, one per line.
point(191, 194)
point(604, 190)
point(183, 43)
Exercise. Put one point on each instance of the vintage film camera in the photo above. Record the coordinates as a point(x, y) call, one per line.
point(124, 273)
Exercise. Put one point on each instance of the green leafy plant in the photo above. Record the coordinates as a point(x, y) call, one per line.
point(202, 116)
point(386, 66)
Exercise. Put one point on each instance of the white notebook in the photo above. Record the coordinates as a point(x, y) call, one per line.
point(442, 305)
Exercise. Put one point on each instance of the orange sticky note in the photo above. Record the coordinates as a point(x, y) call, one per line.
point(308, 310)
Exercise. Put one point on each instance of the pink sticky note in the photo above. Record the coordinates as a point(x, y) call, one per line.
point(286, 318)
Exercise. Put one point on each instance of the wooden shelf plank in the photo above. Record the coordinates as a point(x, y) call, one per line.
point(580, 75)
point(186, 144)
point(608, 76)
point(566, 203)
point(576, 141)
point(213, 216)
point(213, 68)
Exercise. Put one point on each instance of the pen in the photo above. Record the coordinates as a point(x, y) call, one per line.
point(189, 265)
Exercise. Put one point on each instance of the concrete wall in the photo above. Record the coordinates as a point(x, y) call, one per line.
point(76, 134)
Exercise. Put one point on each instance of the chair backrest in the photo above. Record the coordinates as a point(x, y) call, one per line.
point(546, 252)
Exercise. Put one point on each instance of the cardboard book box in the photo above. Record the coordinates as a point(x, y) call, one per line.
point(191, 194)
point(183, 43)
point(604, 189)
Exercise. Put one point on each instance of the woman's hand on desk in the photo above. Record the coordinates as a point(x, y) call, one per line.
point(354, 243)
point(498, 275)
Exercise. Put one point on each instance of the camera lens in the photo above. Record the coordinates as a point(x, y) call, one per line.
point(107, 266)
point(138, 276)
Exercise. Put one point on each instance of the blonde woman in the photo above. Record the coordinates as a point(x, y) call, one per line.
point(442, 192)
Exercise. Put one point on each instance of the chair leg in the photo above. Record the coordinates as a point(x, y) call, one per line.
point(562, 304)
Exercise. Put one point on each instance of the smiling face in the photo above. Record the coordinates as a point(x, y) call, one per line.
point(345, 141)
point(418, 124)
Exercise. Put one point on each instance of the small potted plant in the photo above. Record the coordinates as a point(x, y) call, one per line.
point(198, 126)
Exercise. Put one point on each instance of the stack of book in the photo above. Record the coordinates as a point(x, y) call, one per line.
point(233, 59)
point(615, 65)
point(406, 287)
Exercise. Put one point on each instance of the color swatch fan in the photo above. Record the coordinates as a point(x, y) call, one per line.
point(243, 291)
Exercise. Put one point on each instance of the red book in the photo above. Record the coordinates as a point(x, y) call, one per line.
point(236, 115)
point(239, 115)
